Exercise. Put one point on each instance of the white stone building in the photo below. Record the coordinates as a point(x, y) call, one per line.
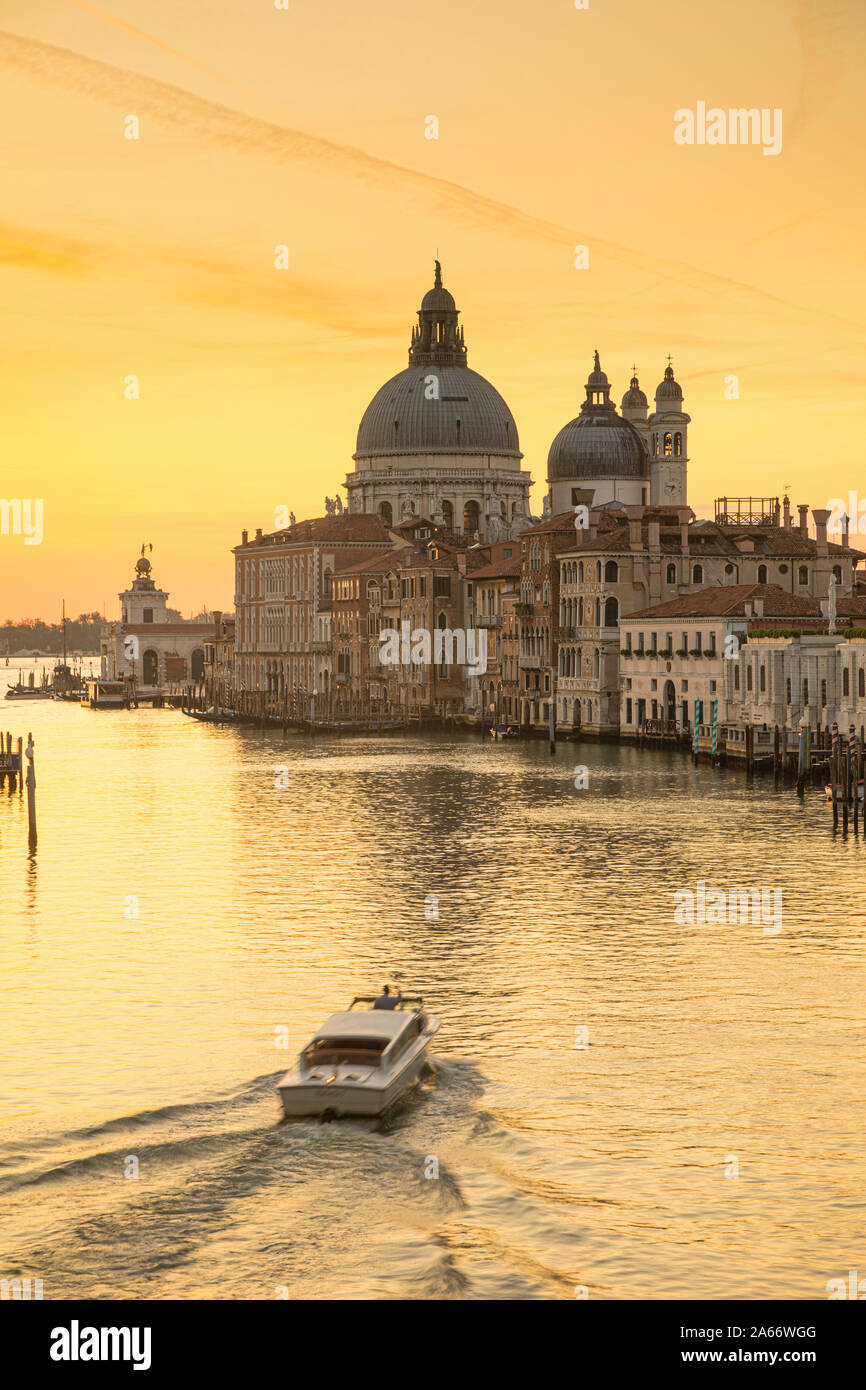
point(147, 644)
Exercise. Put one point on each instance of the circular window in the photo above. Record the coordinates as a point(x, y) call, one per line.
point(729, 569)
point(783, 569)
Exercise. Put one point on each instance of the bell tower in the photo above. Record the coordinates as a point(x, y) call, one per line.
point(667, 429)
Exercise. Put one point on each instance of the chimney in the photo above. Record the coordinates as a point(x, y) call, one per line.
point(759, 608)
point(820, 517)
point(803, 509)
point(845, 530)
point(787, 517)
point(258, 533)
point(747, 609)
point(244, 536)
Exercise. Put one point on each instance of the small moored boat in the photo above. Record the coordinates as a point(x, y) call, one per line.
point(102, 694)
point(360, 1061)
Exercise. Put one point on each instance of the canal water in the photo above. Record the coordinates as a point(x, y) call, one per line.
point(621, 1104)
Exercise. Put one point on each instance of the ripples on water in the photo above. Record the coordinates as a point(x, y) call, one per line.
point(154, 1036)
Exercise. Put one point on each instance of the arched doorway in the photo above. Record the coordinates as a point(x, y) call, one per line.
point(670, 701)
point(150, 668)
point(471, 513)
point(448, 515)
point(386, 513)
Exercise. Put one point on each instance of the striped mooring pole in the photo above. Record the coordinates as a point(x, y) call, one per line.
point(715, 727)
point(698, 709)
point(808, 754)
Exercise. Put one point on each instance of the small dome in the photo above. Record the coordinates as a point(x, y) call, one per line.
point(597, 446)
point(634, 398)
point(669, 389)
point(439, 298)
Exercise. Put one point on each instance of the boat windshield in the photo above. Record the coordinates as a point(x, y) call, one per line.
point(356, 1051)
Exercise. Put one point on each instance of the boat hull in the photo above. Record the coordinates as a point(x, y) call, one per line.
point(302, 1096)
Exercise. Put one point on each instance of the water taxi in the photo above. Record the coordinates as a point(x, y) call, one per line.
point(360, 1061)
point(100, 694)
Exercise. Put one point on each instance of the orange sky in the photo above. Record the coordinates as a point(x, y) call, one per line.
point(259, 127)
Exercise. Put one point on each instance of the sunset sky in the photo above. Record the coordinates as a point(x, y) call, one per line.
point(258, 127)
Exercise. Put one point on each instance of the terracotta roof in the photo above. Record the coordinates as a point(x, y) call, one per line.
point(563, 521)
point(377, 564)
point(347, 527)
point(729, 600)
point(708, 538)
point(171, 629)
point(499, 569)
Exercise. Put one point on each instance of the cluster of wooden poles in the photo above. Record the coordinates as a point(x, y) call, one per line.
point(846, 767)
point(18, 768)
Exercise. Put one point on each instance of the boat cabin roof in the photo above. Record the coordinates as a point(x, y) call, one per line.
point(370, 1023)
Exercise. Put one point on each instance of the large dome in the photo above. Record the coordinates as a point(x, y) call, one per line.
point(598, 443)
point(469, 415)
point(437, 405)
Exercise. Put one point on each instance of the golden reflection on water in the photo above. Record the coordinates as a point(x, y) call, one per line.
point(154, 1035)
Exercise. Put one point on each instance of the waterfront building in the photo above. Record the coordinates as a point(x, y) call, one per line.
point(219, 659)
point(496, 595)
point(676, 658)
point(149, 645)
point(438, 441)
point(283, 593)
point(785, 677)
point(540, 548)
point(630, 558)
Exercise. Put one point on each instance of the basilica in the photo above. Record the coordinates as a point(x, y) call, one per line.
point(439, 441)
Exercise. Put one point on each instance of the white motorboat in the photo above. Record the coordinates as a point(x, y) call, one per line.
point(361, 1061)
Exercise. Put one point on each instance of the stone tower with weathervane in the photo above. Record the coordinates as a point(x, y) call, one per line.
point(667, 431)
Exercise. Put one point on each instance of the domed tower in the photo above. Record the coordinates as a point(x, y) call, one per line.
point(668, 443)
point(438, 440)
point(600, 451)
point(143, 602)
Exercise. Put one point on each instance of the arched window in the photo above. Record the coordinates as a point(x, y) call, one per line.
point(611, 612)
point(470, 517)
point(669, 446)
point(697, 574)
point(763, 681)
point(788, 691)
point(837, 573)
point(805, 692)
point(580, 571)
point(846, 681)
point(803, 574)
point(823, 694)
point(672, 574)
point(598, 571)
point(861, 682)
point(598, 612)
point(678, 445)
point(748, 677)
point(386, 513)
point(448, 515)
point(762, 574)
point(611, 571)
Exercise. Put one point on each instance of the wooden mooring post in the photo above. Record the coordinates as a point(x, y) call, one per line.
point(30, 778)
